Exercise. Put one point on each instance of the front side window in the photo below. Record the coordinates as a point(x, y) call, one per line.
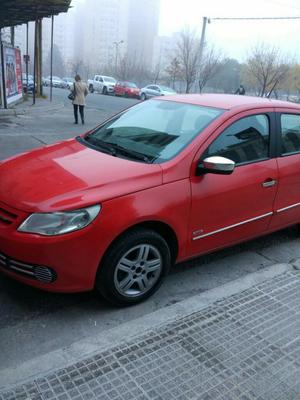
point(245, 141)
point(290, 133)
point(157, 129)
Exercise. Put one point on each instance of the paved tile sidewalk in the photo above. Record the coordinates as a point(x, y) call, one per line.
point(246, 346)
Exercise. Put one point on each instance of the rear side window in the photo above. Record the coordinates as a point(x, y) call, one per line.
point(245, 141)
point(290, 133)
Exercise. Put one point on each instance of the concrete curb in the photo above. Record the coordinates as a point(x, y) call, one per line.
point(90, 346)
point(7, 112)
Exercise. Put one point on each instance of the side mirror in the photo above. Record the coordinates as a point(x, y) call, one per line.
point(215, 165)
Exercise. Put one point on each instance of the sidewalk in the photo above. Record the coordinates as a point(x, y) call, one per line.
point(239, 341)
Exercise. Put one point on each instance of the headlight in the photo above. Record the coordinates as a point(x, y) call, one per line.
point(57, 223)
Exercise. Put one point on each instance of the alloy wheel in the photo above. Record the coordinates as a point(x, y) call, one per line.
point(138, 270)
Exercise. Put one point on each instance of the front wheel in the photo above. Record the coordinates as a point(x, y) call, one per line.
point(91, 88)
point(134, 267)
point(143, 97)
point(104, 91)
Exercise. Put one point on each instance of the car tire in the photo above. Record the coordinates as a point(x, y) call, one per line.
point(91, 88)
point(104, 90)
point(143, 97)
point(126, 94)
point(124, 276)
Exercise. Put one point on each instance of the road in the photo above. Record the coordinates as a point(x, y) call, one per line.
point(33, 322)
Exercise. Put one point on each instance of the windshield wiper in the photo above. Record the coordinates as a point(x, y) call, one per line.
point(100, 144)
point(114, 148)
point(131, 153)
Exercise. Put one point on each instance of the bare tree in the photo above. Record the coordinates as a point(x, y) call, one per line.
point(174, 71)
point(130, 69)
point(77, 66)
point(58, 62)
point(126, 68)
point(156, 71)
point(265, 69)
point(211, 63)
point(188, 56)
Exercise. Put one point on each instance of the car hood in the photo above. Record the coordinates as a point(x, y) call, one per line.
point(68, 175)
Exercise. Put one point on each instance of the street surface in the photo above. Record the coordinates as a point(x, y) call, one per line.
point(33, 323)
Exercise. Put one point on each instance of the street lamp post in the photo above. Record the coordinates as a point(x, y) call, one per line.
point(117, 52)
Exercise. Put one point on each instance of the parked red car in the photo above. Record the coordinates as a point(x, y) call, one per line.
point(164, 181)
point(127, 89)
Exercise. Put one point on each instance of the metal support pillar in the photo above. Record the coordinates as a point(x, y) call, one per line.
point(51, 56)
point(12, 36)
point(3, 72)
point(202, 40)
point(27, 50)
point(39, 58)
point(34, 61)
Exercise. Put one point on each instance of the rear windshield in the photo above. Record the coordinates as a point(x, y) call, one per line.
point(130, 84)
point(157, 129)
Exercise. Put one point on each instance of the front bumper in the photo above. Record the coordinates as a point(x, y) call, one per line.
point(63, 263)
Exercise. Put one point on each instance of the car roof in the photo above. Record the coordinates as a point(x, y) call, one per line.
point(229, 101)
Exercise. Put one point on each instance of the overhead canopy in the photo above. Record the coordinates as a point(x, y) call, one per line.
point(17, 12)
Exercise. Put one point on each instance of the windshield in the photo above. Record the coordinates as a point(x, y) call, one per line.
point(108, 79)
point(131, 85)
point(156, 129)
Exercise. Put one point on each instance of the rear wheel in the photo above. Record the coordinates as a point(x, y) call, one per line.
point(104, 90)
point(91, 88)
point(134, 267)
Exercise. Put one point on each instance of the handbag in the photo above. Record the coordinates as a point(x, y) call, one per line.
point(72, 95)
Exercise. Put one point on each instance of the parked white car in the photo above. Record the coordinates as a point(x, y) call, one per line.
point(102, 84)
point(67, 82)
point(56, 81)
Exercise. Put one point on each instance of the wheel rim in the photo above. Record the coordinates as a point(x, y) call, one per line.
point(138, 270)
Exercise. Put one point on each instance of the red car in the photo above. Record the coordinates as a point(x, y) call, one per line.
point(164, 181)
point(127, 89)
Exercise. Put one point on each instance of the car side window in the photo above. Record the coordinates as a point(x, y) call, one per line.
point(290, 133)
point(96, 78)
point(244, 141)
point(101, 79)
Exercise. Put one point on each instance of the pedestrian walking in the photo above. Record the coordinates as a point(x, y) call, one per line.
point(80, 91)
point(240, 90)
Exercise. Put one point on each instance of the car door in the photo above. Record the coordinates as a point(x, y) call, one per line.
point(151, 91)
point(96, 83)
point(101, 83)
point(226, 209)
point(287, 202)
point(156, 91)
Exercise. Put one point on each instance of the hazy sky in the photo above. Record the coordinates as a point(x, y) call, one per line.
point(237, 37)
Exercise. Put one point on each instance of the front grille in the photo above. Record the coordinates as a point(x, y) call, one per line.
point(6, 217)
point(36, 272)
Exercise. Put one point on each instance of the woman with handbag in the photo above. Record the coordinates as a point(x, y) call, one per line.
point(78, 95)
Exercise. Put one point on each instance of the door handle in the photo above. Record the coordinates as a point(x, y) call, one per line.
point(269, 182)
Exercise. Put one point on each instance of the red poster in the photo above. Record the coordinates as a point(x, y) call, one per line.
point(13, 74)
point(19, 70)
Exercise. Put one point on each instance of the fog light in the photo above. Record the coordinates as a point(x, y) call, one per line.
point(44, 274)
